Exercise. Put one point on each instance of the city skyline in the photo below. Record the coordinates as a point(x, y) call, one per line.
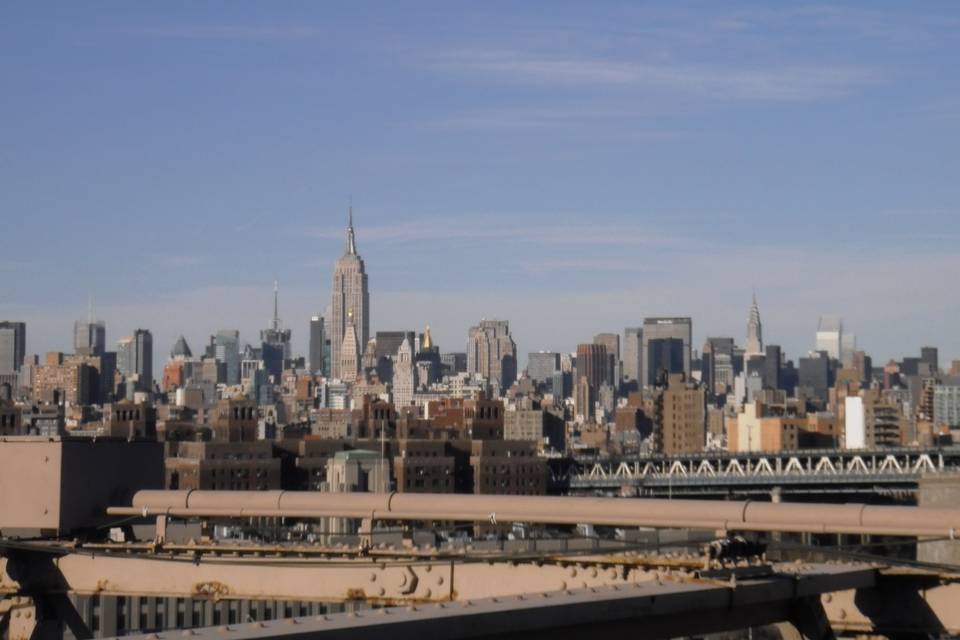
point(641, 162)
point(316, 310)
point(300, 339)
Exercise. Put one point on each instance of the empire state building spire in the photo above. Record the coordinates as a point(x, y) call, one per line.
point(351, 239)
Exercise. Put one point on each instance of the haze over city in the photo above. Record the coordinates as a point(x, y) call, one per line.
point(571, 170)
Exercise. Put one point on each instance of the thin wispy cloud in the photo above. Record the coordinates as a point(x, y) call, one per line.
point(530, 118)
point(632, 122)
point(731, 24)
point(463, 228)
point(240, 32)
point(776, 83)
point(859, 22)
point(179, 261)
point(588, 264)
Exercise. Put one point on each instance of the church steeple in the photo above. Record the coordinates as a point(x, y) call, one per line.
point(351, 240)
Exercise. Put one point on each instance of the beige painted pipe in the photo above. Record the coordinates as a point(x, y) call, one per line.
point(633, 512)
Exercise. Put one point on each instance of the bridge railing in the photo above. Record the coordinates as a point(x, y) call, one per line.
point(895, 465)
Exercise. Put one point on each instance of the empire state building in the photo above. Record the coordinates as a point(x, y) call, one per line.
point(351, 303)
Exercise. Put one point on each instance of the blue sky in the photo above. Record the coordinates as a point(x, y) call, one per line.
point(572, 167)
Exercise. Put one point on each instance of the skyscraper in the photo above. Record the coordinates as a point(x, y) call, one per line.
point(89, 337)
point(830, 336)
point(492, 353)
point(317, 337)
point(717, 368)
point(144, 350)
point(126, 356)
point(666, 347)
point(931, 356)
point(13, 346)
point(632, 351)
point(404, 376)
point(754, 345)
point(541, 366)
point(135, 359)
point(227, 350)
point(350, 296)
point(275, 341)
point(814, 375)
point(427, 359)
point(276, 335)
point(612, 342)
point(592, 365)
point(771, 367)
point(848, 346)
point(584, 398)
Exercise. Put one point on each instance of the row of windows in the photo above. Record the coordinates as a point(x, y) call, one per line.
point(239, 456)
point(407, 453)
point(241, 413)
point(420, 483)
point(506, 482)
point(488, 413)
point(239, 486)
point(419, 471)
point(515, 470)
point(510, 453)
point(236, 473)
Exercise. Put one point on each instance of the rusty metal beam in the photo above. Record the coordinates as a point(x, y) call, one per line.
point(693, 514)
point(660, 609)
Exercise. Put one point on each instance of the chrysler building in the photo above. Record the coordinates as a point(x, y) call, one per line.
point(754, 345)
point(350, 296)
